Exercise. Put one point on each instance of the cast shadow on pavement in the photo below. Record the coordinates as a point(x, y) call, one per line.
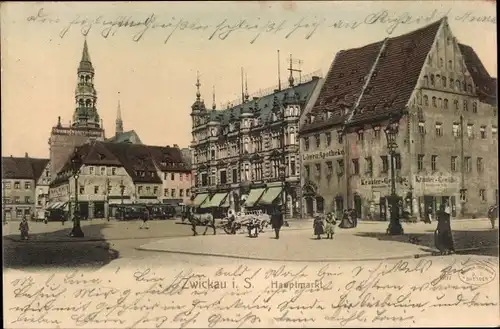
point(484, 242)
point(43, 250)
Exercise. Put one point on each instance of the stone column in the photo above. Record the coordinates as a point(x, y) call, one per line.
point(106, 210)
point(414, 204)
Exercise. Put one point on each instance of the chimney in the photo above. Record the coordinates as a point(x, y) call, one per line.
point(255, 98)
point(26, 155)
point(176, 146)
point(276, 90)
point(315, 77)
point(168, 145)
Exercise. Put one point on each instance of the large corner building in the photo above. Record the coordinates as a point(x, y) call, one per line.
point(248, 155)
point(445, 102)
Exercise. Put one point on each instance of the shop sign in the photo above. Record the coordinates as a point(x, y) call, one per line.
point(386, 181)
point(321, 155)
point(436, 181)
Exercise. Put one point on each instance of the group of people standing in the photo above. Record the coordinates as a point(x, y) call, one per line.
point(326, 224)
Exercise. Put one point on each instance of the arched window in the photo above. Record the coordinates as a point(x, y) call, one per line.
point(426, 81)
point(456, 104)
point(440, 102)
point(434, 101)
point(445, 103)
point(82, 79)
point(474, 107)
point(419, 99)
point(432, 79)
point(443, 81)
point(87, 78)
point(81, 102)
point(441, 62)
point(469, 88)
point(457, 84)
point(451, 82)
point(466, 105)
point(426, 100)
point(87, 103)
point(450, 64)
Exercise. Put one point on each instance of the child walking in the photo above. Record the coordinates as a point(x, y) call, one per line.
point(330, 225)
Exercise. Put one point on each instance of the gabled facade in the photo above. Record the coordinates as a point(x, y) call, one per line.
point(23, 180)
point(238, 152)
point(445, 103)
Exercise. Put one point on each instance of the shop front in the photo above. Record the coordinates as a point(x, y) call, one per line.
point(433, 190)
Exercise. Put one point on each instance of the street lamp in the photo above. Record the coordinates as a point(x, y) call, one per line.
point(391, 133)
point(122, 189)
point(76, 232)
point(4, 204)
point(283, 191)
point(108, 188)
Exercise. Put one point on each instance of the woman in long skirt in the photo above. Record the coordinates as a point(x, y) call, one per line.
point(330, 225)
point(318, 227)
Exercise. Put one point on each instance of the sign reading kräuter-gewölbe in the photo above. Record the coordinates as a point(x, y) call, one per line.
point(321, 155)
point(385, 181)
point(436, 181)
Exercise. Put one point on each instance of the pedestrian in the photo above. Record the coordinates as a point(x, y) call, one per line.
point(277, 222)
point(318, 227)
point(444, 236)
point(428, 216)
point(492, 215)
point(354, 218)
point(330, 225)
point(24, 228)
point(145, 219)
point(46, 217)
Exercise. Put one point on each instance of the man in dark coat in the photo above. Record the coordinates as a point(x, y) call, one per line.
point(444, 242)
point(277, 221)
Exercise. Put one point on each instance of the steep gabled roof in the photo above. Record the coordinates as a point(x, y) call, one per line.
point(126, 137)
point(486, 85)
point(23, 167)
point(137, 161)
point(168, 158)
point(381, 76)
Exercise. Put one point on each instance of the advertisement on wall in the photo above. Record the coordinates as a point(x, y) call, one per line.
point(436, 184)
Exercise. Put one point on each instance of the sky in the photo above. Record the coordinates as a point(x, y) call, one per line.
point(150, 53)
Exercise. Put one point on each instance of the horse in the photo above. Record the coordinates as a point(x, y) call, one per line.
point(493, 215)
point(206, 220)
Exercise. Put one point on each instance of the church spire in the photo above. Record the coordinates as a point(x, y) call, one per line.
point(198, 84)
point(246, 89)
point(85, 114)
point(119, 121)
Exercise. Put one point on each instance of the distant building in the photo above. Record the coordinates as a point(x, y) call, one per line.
point(445, 102)
point(121, 136)
point(24, 187)
point(239, 152)
point(147, 174)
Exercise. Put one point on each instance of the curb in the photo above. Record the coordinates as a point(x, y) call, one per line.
point(331, 260)
point(90, 240)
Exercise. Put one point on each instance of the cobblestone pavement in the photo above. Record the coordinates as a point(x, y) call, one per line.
point(367, 241)
point(119, 240)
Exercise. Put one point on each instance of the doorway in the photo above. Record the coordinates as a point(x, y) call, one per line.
point(383, 209)
point(358, 204)
point(309, 206)
point(339, 206)
point(320, 204)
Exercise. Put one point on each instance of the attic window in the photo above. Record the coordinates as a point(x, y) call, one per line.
point(101, 156)
point(374, 74)
point(336, 87)
point(367, 90)
point(341, 75)
point(348, 83)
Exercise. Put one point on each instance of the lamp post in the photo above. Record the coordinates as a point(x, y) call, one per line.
point(108, 188)
point(122, 189)
point(283, 191)
point(391, 133)
point(77, 229)
point(4, 204)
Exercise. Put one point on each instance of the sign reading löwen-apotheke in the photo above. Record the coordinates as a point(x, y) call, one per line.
point(321, 155)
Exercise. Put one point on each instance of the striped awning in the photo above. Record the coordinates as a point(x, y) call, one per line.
point(215, 201)
point(226, 203)
point(253, 196)
point(270, 195)
point(53, 205)
point(199, 199)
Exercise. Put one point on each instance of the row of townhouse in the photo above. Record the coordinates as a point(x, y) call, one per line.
point(25, 187)
point(110, 174)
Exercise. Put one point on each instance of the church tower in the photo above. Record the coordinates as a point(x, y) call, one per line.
point(119, 121)
point(86, 125)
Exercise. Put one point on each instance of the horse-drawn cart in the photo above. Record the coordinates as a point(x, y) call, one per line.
point(254, 222)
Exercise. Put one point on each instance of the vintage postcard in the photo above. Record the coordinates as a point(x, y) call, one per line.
point(249, 164)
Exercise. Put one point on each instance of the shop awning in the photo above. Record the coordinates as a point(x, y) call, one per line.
point(270, 195)
point(53, 205)
point(226, 204)
point(215, 200)
point(64, 206)
point(199, 199)
point(253, 196)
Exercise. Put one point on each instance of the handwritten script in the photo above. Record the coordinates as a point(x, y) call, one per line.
point(388, 293)
point(139, 27)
